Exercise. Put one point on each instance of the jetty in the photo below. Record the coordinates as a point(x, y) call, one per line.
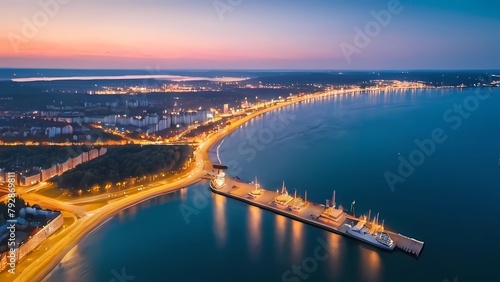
point(327, 217)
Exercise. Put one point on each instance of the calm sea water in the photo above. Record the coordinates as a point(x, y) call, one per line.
point(344, 143)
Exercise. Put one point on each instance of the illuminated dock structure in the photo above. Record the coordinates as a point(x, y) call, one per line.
point(327, 217)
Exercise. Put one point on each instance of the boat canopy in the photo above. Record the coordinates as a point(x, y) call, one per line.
point(219, 166)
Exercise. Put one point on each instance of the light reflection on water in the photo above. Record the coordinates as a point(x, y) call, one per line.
point(370, 264)
point(73, 266)
point(334, 243)
point(217, 234)
point(183, 194)
point(220, 226)
point(297, 240)
point(254, 223)
point(124, 215)
point(280, 223)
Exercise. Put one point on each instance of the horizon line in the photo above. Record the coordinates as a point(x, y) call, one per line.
point(257, 69)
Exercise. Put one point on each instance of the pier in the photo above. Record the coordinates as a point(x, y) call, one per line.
point(407, 244)
point(325, 217)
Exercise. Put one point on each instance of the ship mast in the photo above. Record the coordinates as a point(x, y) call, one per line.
point(305, 197)
point(333, 200)
point(352, 208)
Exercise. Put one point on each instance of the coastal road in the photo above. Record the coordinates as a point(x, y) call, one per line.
point(21, 190)
point(53, 204)
point(76, 232)
point(91, 220)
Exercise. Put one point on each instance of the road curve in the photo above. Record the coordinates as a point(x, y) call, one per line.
point(52, 257)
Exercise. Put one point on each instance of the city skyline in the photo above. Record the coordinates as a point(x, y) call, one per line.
point(249, 140)
point(226, 34)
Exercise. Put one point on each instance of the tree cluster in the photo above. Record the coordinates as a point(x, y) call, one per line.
point(122, 163)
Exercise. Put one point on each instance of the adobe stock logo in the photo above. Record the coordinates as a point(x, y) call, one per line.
point(258, 139)
point(121, 276)
point(372, 29)
point(30, 27)
point(309, 265)
point(455, 116)
point(223, 6)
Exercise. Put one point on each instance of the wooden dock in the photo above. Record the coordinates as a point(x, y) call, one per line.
point(310, 213)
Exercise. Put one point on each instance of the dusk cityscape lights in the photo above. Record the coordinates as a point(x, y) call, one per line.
point(233, 140)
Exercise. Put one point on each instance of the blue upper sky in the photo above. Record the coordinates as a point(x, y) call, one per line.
point(257, 34)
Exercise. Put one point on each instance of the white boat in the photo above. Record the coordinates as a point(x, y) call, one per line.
point(385, 239)
point(381, 240)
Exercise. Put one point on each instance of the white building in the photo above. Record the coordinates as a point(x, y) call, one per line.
point(52, 131)
point(67, 129)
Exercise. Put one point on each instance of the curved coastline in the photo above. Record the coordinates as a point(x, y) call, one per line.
point(88, 227)
point(49, 261)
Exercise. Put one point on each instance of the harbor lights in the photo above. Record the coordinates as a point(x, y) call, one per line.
point(218, 180)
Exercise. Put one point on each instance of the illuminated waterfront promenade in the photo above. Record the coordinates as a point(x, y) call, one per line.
point(330, 219)
point(69, 237)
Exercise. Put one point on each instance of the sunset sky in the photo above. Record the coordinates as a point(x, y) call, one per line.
point(250, 34)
